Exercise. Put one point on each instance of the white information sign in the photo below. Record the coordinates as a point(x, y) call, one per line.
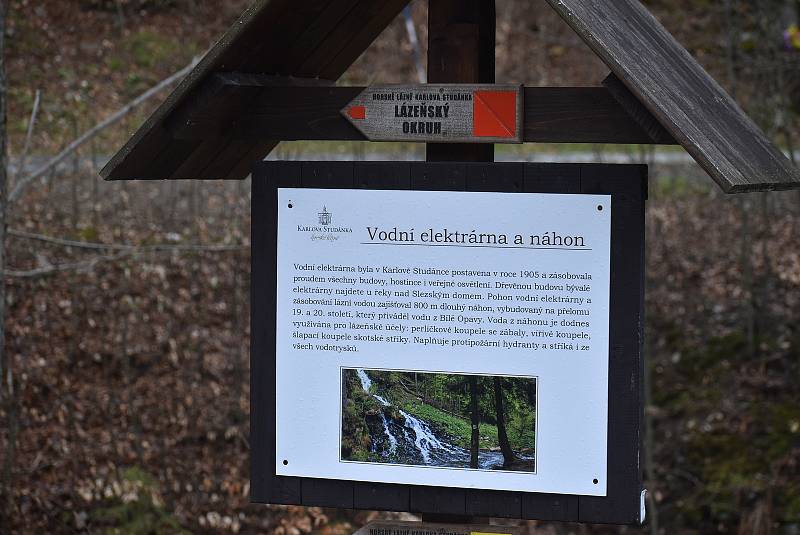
point(408, 319)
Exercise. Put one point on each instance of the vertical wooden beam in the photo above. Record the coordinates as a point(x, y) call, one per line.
point(461, 46)
point(460, 50)
point(461, 43)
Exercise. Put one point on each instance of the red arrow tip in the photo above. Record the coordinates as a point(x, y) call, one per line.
point(357, 112)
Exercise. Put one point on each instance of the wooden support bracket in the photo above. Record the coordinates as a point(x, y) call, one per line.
point(636, 110)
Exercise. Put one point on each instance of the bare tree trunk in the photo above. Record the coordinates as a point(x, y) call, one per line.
point(6, 373)
point(3, 193)
point(731, 12)
point(120, 14)
point(130, 416)
point(95, 188)
point(475, 414)
point(502, 435)
point(76, 168)
point(238, 331)
point(174, 198)
point(11, 453)
point(748, 285)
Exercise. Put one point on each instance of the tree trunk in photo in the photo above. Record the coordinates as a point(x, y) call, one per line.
point(502, 435)
point(345, 389)
point(475, 416)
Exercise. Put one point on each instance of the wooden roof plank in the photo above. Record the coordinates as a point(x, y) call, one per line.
point(123, 164)
point(200, 158)
point(216, 95)
point(130, 166)
point(257, 43)
point(374, 17)
point(234, 151)
point(685, 99)
point(171, 158)
point(358, 30)
point(263, 48)
point(245, 166)
point(319, 31)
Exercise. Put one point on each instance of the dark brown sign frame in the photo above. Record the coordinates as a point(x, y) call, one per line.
point(627, 185)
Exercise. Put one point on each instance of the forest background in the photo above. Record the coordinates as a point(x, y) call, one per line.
point(125, 397)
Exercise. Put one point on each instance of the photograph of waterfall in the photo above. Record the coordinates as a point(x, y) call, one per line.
point(485, 422)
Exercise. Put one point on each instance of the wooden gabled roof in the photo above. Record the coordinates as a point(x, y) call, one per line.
point(661, 88)
point(680, 94)
point(301, 38)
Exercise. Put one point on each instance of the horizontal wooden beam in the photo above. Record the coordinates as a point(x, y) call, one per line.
point(256, 108)
point(581, 115)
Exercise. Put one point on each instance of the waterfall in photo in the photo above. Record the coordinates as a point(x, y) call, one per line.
point(426, 441)
point(366, 383)
point(389, 435)
point(414, 441)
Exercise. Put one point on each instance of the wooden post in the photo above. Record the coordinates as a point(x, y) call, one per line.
point(461, 49)
point(461, 46)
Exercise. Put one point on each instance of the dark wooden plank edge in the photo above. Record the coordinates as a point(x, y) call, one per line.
point(628, 184)
point(265, 486)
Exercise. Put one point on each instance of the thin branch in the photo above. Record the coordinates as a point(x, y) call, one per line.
point(95, 130)
point(85, 265)
point(411, 30)
point(126, 247)
point(88, 265)
point(29, 134)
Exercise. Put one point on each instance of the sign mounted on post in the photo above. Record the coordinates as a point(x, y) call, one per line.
point(471, 113)
point(416, 334)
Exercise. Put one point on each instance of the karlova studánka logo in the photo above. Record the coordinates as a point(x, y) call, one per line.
point(324, 230)
point(325, 216)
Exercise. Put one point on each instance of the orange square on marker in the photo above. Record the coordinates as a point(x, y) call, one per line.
point(494, 113)
point(357, 112)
